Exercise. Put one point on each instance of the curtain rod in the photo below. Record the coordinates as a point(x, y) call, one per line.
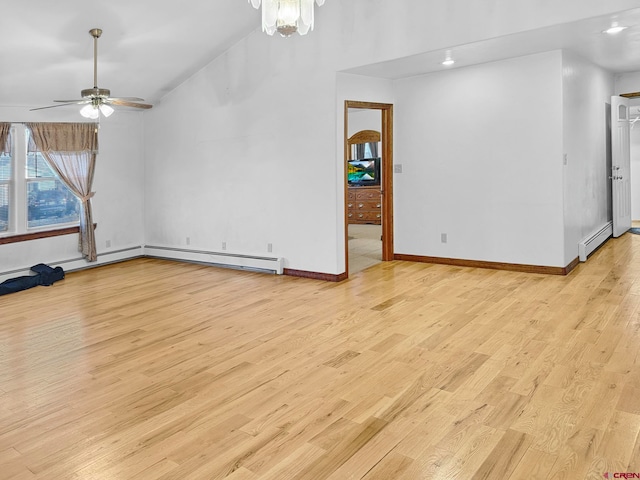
point(25, 123)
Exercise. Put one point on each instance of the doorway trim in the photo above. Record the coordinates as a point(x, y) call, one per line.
point(386, 111)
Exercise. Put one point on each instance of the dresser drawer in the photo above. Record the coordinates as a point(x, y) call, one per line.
point(368, 194)
point(367, 217)
point(364, 205)
point(367, 205)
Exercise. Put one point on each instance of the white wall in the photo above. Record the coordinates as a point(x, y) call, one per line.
point(235, 156)
point(586, 95)
point(249, 150)
point(480, 149)
point(228, 152)
point(364, 119)
point(118, 205)
point(627, 83)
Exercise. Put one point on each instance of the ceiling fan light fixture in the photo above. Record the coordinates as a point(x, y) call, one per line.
point(90, 111)
point(106, 110)
point(287, 16)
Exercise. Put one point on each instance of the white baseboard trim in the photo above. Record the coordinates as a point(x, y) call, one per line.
point(220, 259)
point(227, 260)
point(79, 263)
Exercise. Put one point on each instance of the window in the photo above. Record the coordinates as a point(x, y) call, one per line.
point(49, 201)
point(5, 184)
point(32, 198)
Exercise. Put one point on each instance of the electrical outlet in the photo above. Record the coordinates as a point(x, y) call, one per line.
point(269, 247)
point(188, 240)
point(224, 245)
point(108, 243)
point(443, 238)
point(397, 168)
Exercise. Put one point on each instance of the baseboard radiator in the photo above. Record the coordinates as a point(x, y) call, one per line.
point(79, 263)
point(221, 259)
point(590, 243)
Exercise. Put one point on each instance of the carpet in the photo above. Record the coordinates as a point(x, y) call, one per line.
point(635, 230)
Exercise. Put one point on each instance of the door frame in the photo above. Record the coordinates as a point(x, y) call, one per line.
point(386, 111)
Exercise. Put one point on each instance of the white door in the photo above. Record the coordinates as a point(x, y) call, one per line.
point(620, 165)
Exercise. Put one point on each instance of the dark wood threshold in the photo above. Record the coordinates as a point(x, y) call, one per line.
point(513, 267)
point(327, 277)
point(42, 234)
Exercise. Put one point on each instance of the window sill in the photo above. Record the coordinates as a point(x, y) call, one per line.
point(24, 237)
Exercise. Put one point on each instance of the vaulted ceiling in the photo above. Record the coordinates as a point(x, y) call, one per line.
point(149, 47)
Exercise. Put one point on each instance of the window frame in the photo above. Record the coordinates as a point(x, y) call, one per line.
point(9, 184)
point(18, 229)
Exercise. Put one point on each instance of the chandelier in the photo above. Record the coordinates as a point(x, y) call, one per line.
point(286, 16)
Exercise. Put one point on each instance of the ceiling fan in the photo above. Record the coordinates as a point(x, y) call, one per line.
point(98, 100)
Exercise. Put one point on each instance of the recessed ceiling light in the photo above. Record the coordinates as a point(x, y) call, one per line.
point(614, 29)
point(448, 61)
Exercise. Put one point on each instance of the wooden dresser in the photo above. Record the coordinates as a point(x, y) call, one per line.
point(364, 205)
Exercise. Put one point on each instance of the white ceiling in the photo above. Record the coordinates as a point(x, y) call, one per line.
point(147, 48)
point(150, 46)
point(618, 53)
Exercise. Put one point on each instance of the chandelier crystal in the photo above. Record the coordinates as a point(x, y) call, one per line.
point(286, 16)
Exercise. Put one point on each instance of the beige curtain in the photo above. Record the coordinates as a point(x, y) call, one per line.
point(70, 149)
point(5, 128)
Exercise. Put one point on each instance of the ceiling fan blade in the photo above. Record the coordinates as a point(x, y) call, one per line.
point(128, 99)
point(81, 100)
point(124, 103)
point(53, 106)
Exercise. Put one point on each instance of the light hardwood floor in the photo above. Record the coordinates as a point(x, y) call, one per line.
point(157, 370)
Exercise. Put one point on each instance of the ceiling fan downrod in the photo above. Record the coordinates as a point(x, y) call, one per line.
point(95, 91)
